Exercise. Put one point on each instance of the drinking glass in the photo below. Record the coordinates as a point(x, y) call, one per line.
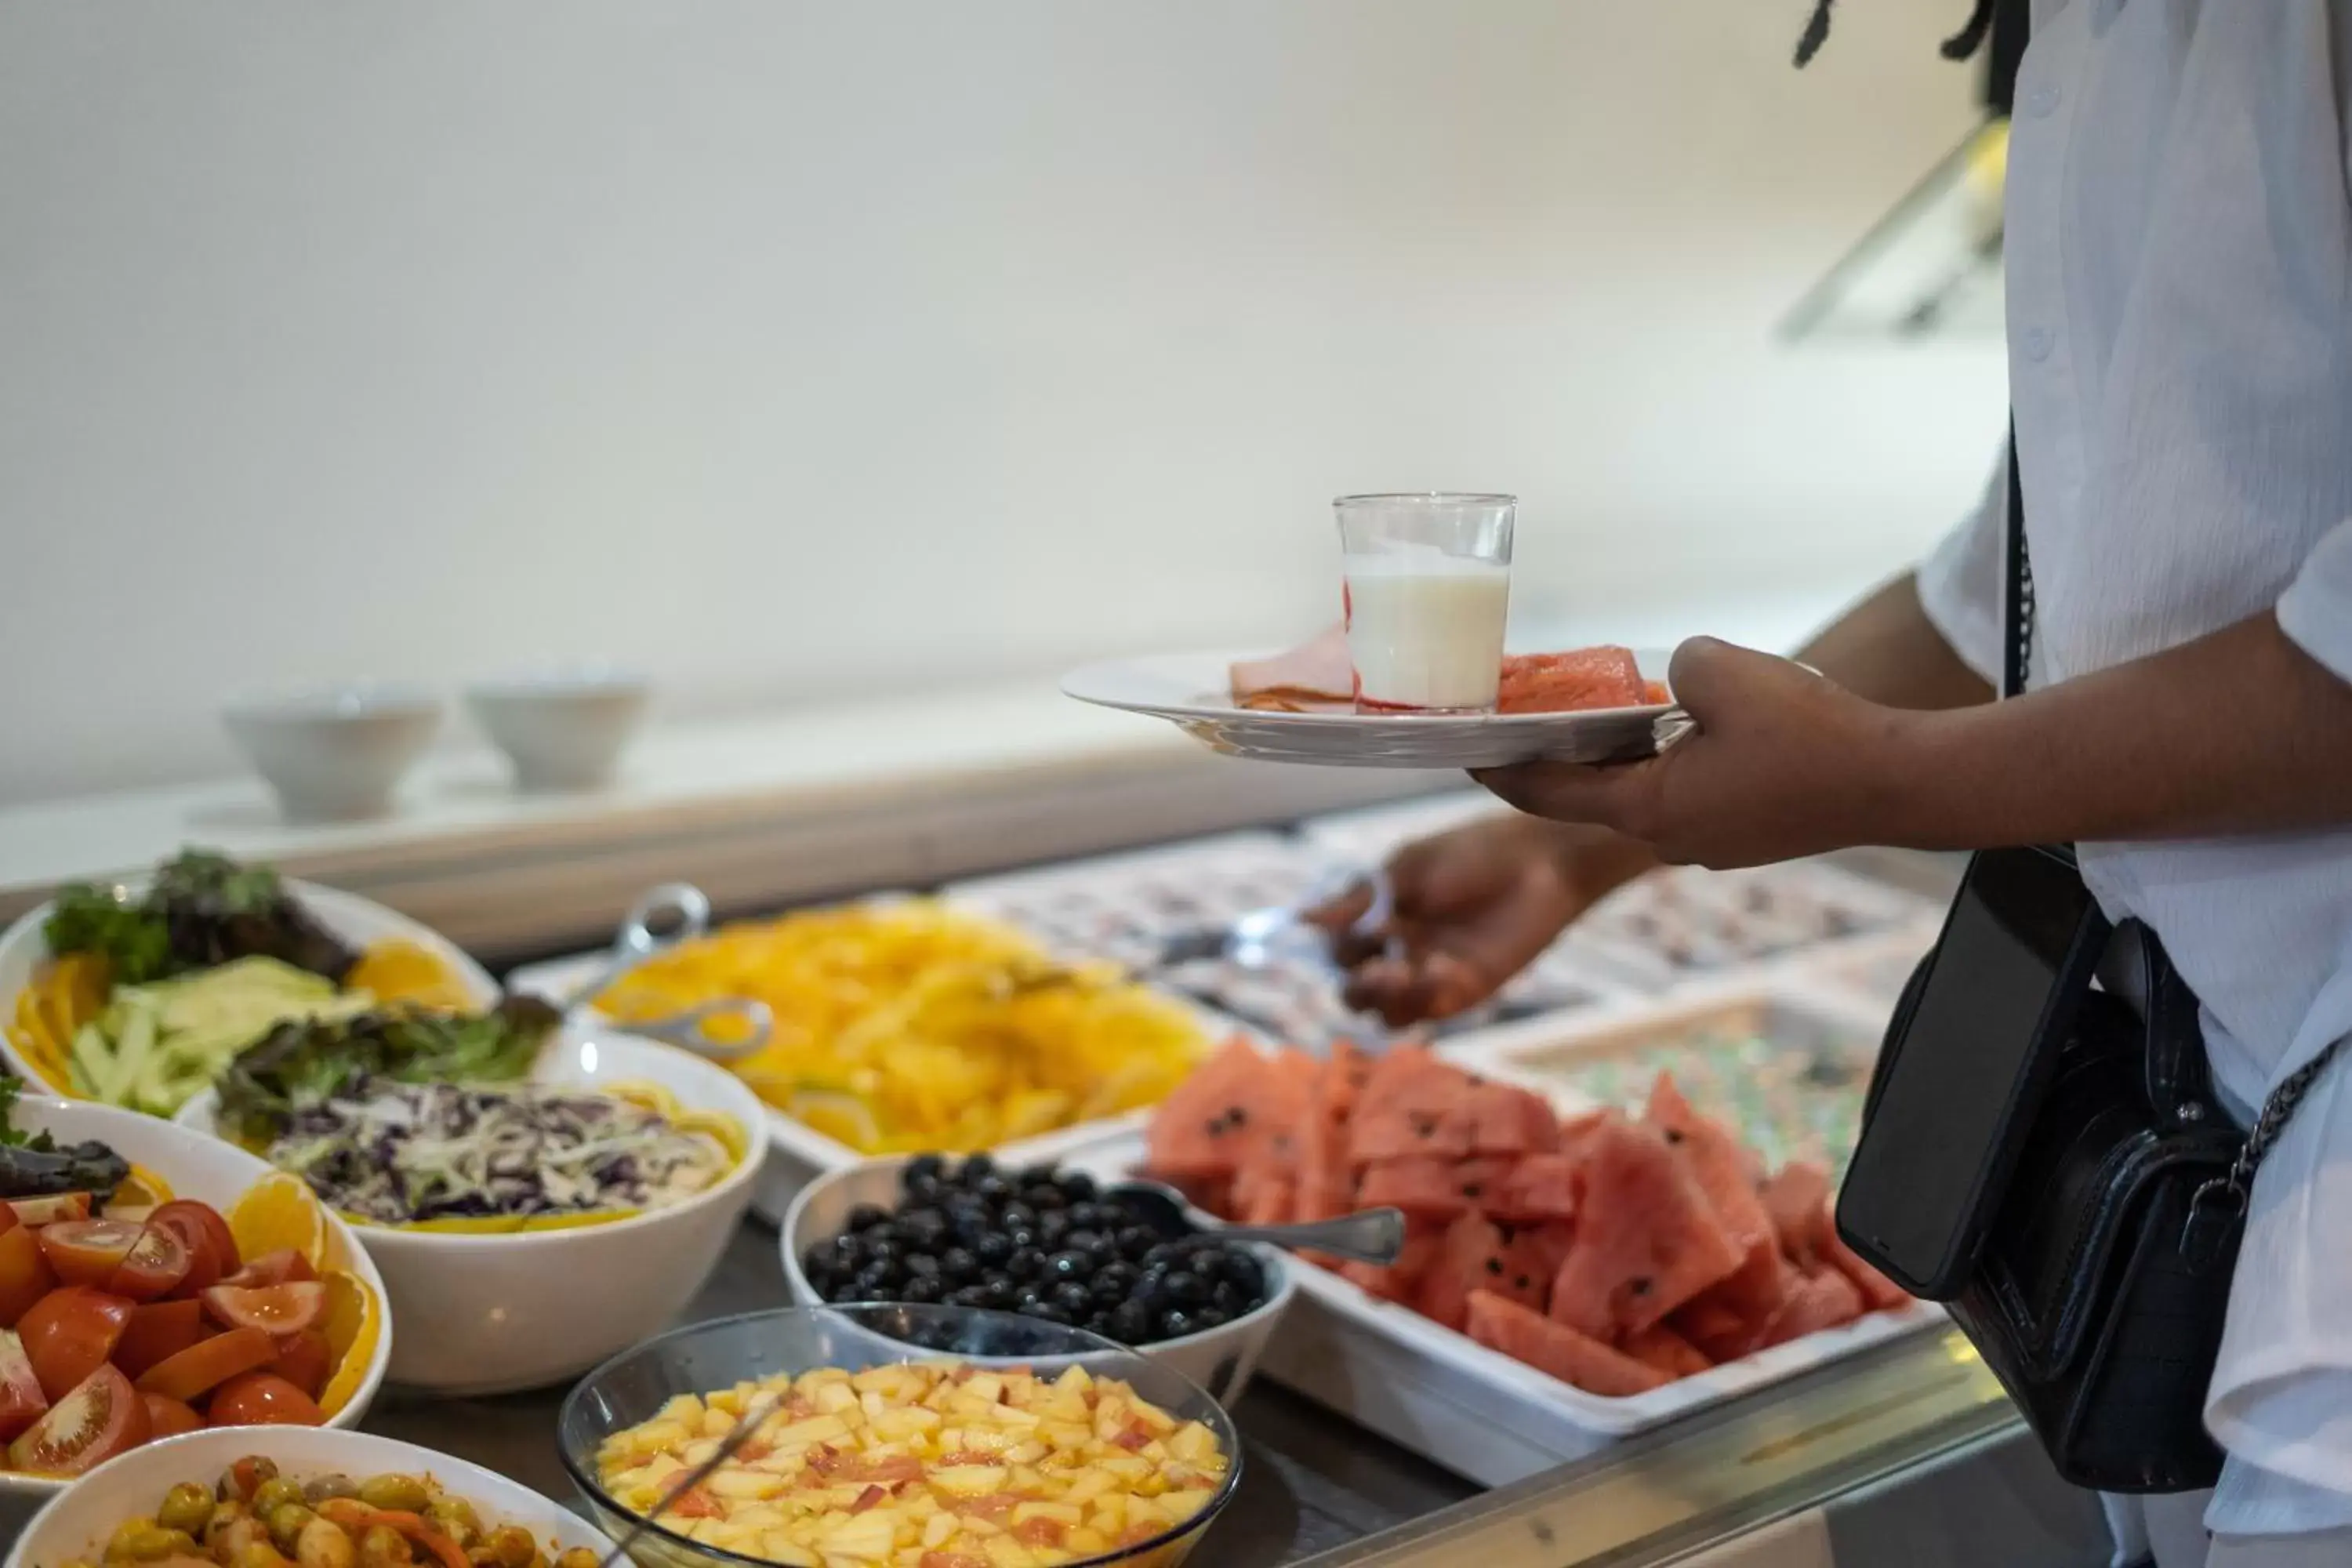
point(1426, 589)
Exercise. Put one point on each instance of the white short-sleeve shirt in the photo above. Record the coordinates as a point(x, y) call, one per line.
point(2180, 295)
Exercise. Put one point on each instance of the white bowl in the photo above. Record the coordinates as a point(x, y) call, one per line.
point(76, 1524)
point(334, 754)
point(358, 921)
point(564, 730)
point(491, 1314)
point(1220, 1360)
point(219, 1174)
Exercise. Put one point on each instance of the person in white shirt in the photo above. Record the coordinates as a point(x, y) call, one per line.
point(2179, 294)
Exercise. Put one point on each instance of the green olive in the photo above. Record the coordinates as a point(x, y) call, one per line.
point(287, 1522)
point(150, 1543)
point(382, 1547)
point(512, 1546)
point(259, 1553)
point(456, 1517)
point(577, 1557)
point(403, 1494)
point(324, 1545)
point(118, 1545)
point(274, 1494)
point(319, 1489)
point(187, 1507)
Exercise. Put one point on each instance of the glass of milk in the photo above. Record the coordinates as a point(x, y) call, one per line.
point(1427, 589)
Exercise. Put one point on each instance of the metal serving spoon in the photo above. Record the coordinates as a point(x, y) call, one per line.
point(1258, 939)
point(1368, 1235)
point(683, 913)
point(753, 1415)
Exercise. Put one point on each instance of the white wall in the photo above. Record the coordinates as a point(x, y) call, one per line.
point(793, 348)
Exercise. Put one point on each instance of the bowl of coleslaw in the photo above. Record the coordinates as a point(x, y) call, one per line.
point(530, 1229)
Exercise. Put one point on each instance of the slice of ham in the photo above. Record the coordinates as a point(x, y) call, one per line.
point(1314, 676)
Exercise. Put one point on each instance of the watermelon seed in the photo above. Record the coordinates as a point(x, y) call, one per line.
point(1640, 1287)
point(1470, 1189)
point(1493, 1266)
point(1521, 1282)
point(1674, 1134)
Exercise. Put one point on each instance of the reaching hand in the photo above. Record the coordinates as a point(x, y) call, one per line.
point(1472, 908)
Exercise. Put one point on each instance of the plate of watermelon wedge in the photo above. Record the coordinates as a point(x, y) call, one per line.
point(1592, 705)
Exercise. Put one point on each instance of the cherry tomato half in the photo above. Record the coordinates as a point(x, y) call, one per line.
point(158, 1331)
point(22, 1403)
point(304, 1360)
point(272, 1268)
point(69, 1334)
point(25, 1275)
point(212, 1250)
point(208, 1364)
point(89, 1251)
point(153, 1266)
point(99, 1417)
point(168, 1417)
point(285, 1308)
point(263, 1399)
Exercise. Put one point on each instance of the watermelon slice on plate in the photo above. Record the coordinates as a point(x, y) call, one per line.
point(1541, 1187)
point(1647, 1240)
point(1823, 1300)
point(1505, 1120)
point(1424, 1185)
point(1411, 1103)
point(1476, 1255)
point(1661, 1347)
point(1553, 1347)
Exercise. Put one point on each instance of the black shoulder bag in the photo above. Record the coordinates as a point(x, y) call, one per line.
point(2092, 1265)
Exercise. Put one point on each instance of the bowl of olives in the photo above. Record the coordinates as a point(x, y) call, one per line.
point(1042, 1240)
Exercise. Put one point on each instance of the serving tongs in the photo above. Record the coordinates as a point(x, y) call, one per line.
point(1258, 939)
point(661, 919)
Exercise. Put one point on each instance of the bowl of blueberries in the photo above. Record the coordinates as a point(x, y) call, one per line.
point(1042, 1240)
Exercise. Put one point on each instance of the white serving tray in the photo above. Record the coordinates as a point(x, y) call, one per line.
point(1116, 906)
point(1475, 1411)
point(799, 1153)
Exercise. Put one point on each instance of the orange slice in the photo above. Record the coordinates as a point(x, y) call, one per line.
point(354, 1324)
point(397, 971)
point(278, 1212)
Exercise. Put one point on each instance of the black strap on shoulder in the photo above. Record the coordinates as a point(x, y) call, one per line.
point(2017, 607)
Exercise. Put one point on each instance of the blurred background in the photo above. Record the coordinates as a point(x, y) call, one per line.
point(797, 351)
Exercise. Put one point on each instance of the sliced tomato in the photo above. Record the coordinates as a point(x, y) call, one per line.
point(304, 1360)
point(168, 1417)
point(89, 1251)
point(99, 1417)
point(272, 1268)
point(51, 1209)
point(71, 1332)
point(25, 1275)
point(212, 1250)
point(208, 1364)
point(158, 1331)
point(22, 1403)
point(153, 1266)
point(287, 1308)
point(262, 1399)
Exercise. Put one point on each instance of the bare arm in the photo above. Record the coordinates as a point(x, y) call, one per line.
point(2240, 732)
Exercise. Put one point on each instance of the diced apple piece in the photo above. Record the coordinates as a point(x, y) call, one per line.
point(969, 1480)
point(1003, 1552)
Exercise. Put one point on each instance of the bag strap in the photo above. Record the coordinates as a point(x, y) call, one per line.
point(2017, 608)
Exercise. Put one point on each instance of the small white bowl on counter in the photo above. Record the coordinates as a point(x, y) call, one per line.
point(492, 1313)
point(213, 1171)
point(1221, 1360)
point(75, 1525)
point(334, 754)
point(562, 728)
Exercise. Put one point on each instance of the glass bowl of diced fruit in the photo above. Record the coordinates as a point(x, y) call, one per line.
point(888, 1432)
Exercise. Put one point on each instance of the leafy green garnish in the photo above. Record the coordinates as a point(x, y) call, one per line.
point(135, 941)
point(302, 1062)
point(32, 1165)
point(202, 910)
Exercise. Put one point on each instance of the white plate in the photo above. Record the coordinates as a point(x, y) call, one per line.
point(1192, 692)
point(360, 922)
